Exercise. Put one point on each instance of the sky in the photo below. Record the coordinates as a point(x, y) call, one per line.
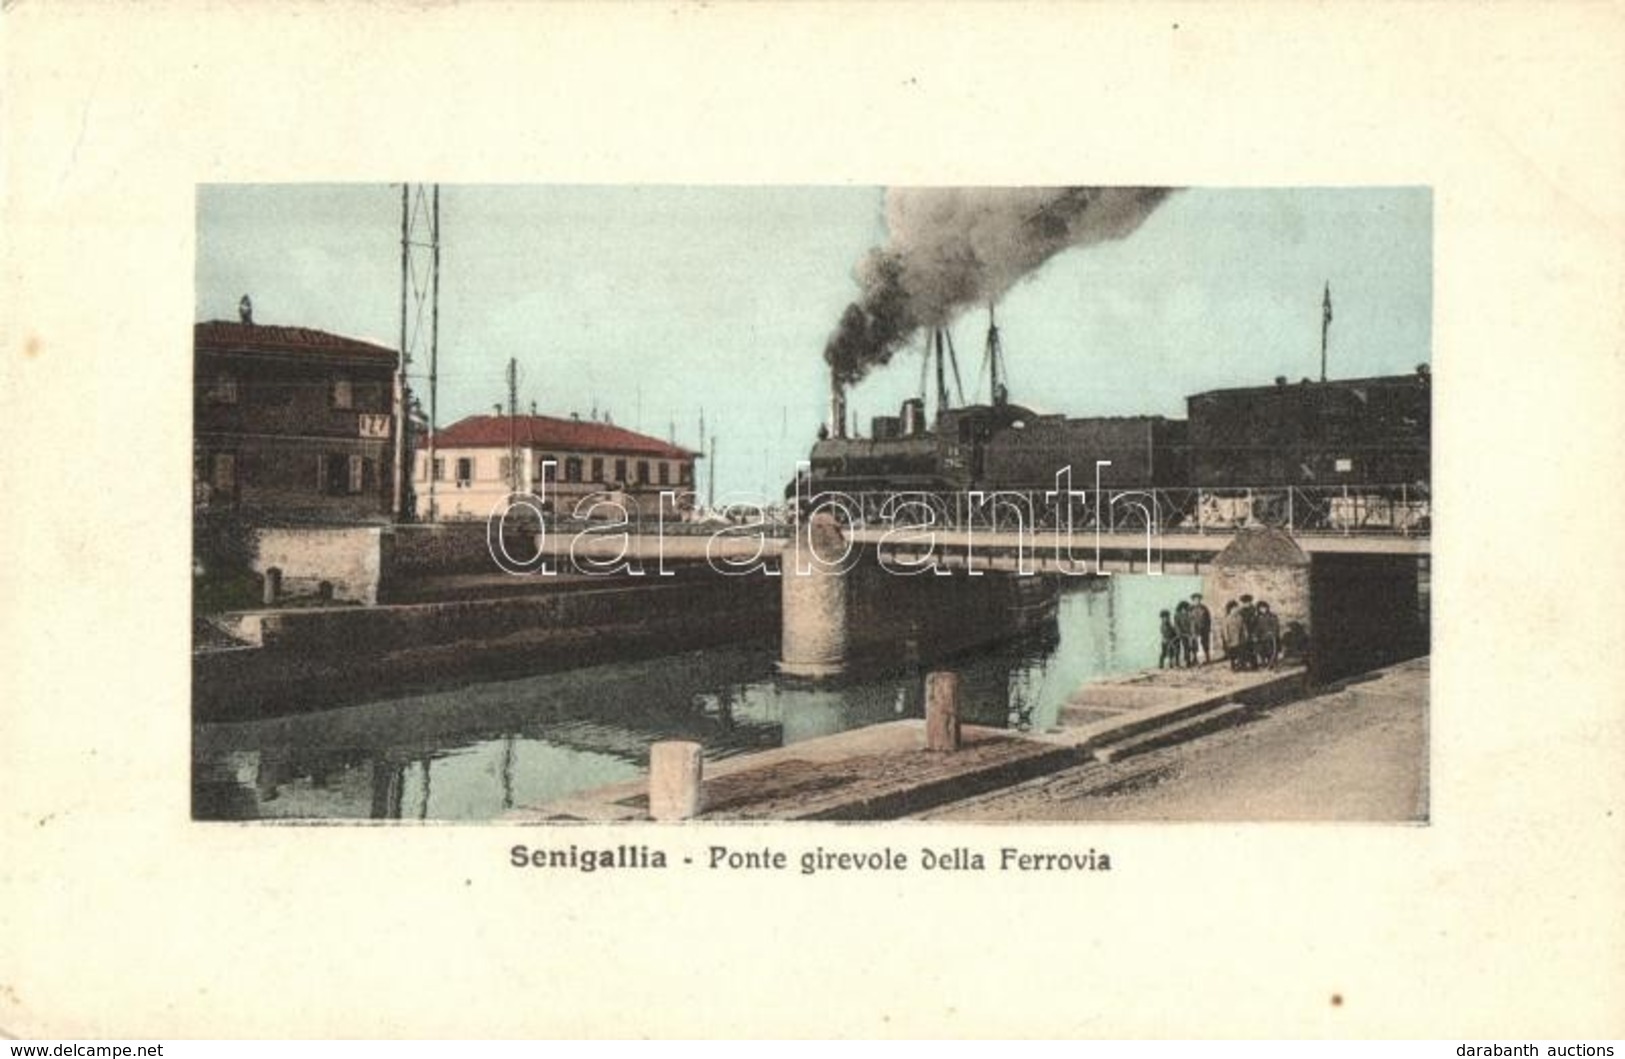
point(654, 303)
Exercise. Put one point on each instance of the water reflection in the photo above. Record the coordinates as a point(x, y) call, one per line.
point(480, 750)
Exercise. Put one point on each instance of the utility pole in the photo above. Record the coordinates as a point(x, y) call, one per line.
point(513, 425)
point(697, 467)
point(420, 284)
point(1325, 325)
point(403, 469)
point(434, 344)
point(711, 478)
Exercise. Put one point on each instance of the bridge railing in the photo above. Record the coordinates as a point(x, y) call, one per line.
point(1397, 510)
point(1400, 510)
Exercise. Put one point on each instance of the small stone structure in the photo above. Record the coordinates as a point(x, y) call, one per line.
point(353, 560)
point(1267, 564)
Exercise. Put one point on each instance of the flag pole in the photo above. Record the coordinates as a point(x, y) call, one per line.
point(1325, 325)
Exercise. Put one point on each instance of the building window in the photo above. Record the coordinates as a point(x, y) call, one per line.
point(332, 474)
point(550, 470)
point(572, 469)
point(643, 472)
point(368, 396)
point(439, 468)
point(343, 393)
point(597, 468)
point(222, 390)
point(505, 467)
point(223, 473)
point(465, 470)
point(343, 474)
point(665, 473)
point(620, 472)
point(685, 473)
point(272, 393)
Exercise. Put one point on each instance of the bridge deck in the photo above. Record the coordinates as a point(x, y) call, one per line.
point(739, 544)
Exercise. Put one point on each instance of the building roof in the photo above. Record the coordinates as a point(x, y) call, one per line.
point(549, 432)
point(1261, 546)
point(1413, 379)
point(230, 336)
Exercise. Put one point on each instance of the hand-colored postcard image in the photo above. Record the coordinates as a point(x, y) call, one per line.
point(615, 503)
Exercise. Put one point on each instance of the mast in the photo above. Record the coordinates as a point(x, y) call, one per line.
point(942, 378)
point(998, 388)
point(953, 362)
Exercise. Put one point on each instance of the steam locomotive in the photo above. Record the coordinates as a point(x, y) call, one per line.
point(1313, 455)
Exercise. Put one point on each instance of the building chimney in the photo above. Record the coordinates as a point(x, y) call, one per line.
point(837, 407)
point(245, 310)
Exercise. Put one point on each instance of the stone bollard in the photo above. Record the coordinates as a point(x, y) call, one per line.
point(942, 711)
point(675, 775)
point(273, 585)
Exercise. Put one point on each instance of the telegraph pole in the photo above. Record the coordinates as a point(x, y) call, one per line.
point(711, 478)
point(420, 293)
point(403, 468)
point(513, 425)
point(434, 343)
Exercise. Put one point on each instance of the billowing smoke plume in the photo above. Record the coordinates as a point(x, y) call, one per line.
point(950, 248)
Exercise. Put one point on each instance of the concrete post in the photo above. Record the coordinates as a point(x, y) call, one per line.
point(814, 604)
point(273, 585)
point(675, 777)
point(942, 712)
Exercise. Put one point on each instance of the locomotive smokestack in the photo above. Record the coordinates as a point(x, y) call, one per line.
point(837, 406)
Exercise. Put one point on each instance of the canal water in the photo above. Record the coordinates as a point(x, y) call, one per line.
point(475, 752)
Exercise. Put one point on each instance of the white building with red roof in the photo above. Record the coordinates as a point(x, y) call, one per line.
point(569, 463)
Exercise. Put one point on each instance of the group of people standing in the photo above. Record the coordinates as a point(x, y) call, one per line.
point(1250, 634)
point(1189, 629)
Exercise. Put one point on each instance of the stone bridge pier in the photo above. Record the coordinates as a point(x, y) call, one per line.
point(814, 600)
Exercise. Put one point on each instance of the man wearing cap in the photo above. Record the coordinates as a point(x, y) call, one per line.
point(1201, 625)
point(1269, 636)
point(1249, 641)
point(1234, 631)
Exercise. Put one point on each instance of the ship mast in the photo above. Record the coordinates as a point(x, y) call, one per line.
point(998, 381)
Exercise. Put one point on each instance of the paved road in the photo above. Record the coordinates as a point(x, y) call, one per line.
point(1357, 754)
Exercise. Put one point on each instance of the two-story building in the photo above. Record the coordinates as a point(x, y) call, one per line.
point(292, 424)
point(565, 461)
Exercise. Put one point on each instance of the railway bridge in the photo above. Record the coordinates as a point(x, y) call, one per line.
point(1352, 570)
